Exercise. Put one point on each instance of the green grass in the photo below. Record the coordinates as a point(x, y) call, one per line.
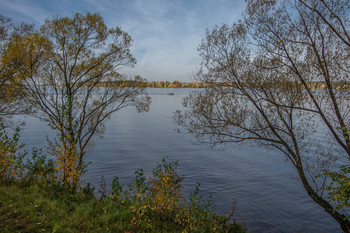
point(29, 207)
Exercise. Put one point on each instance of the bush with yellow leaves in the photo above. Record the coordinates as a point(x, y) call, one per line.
point(159, 198)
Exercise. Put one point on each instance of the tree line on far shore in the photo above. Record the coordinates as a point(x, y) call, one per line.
point(155, 84)
point(341, 86)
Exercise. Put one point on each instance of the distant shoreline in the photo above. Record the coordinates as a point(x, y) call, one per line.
point(339, 86)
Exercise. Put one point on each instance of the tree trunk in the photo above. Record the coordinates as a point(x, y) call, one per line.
point(340, 218)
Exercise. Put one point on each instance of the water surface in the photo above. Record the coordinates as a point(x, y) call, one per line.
point(261, 182)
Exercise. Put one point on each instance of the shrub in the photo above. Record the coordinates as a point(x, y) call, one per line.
point(159, 199)
point(11, 156)
point(40, 169)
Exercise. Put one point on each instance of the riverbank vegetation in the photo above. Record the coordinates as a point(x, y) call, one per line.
point(34, 197)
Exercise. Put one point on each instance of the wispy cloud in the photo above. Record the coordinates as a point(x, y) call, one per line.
point(24, 11)
point(166, 33)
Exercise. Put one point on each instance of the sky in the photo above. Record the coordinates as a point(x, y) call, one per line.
point(165, 33)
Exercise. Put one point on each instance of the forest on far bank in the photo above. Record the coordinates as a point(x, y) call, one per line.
point(341, 86)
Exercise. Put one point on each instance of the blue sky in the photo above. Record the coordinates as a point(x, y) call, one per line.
point(166, 33)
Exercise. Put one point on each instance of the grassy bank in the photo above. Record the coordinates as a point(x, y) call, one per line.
point(31, 208)
point(27, 206)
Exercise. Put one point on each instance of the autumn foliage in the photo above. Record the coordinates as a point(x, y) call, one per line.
point(159, 197)
point(66, 167)
point(165, 188)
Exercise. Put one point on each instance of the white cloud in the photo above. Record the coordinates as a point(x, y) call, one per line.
point(166, 33)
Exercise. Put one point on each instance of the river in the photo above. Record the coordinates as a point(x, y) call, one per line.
point(269, 197)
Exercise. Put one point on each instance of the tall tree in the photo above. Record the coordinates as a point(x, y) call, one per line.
point(67, 69)
point(261, 71)
point(10, 102)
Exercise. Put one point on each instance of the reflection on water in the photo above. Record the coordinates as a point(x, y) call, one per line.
point(268, 199)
